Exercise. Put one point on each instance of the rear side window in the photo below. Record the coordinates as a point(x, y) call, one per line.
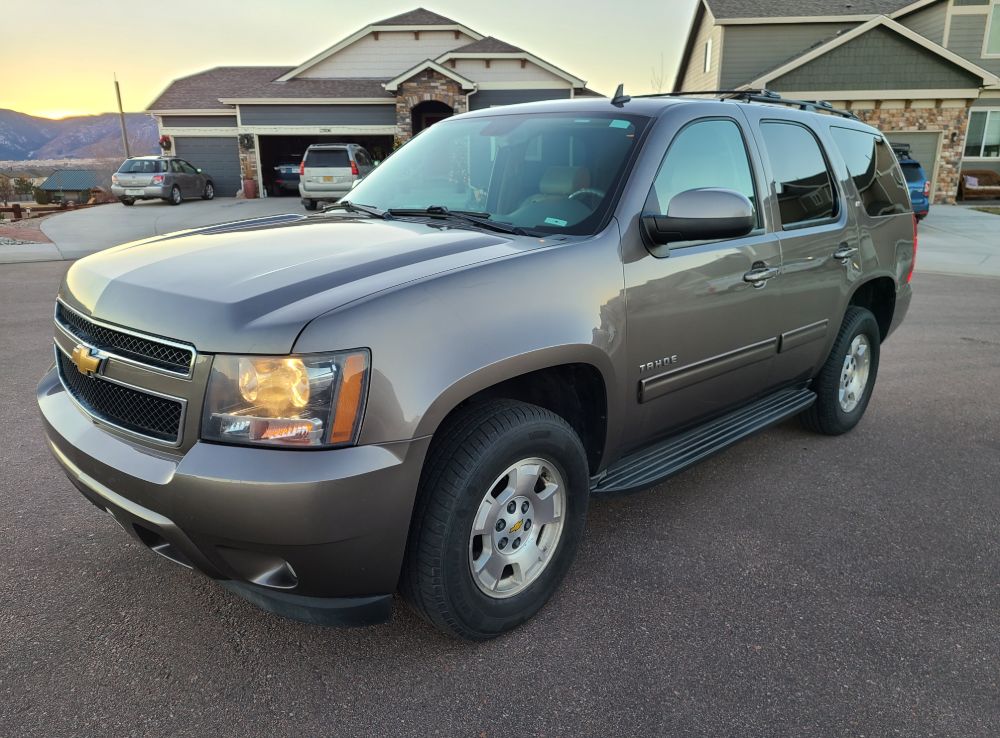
point(873, 168)
point(328, 158)
point(802, 180)
point(707, 153)
point(141, 166)
point(912, 173)
point(361, 158)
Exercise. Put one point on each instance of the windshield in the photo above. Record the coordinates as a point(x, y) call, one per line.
point(548, 172)
point(912, 172)
point(141, 166)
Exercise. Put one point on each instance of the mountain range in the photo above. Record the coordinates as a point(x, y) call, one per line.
point(25, 137)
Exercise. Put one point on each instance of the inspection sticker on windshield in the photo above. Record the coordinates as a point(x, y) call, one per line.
point(617, 123)
point(556, 222)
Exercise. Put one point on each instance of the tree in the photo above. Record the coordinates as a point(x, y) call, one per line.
point(42, 197)
point(657, 77)
point(6, 189)
point(23, 186)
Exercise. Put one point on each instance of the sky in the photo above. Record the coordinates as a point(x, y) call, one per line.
point(66, 67)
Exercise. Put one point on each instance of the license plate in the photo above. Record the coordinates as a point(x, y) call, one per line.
point(327, 179)
point(133, 192)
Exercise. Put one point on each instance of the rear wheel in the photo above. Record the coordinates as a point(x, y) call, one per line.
point(209, 193)
point(501, 508)
point(175, 197)
point(844, 385)
point(309, 204)
point(127, 201)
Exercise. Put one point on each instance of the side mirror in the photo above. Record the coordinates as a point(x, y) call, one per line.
point(704, 214)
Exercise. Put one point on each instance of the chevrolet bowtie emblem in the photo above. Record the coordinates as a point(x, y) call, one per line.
point(85, 362)
point(517, 527)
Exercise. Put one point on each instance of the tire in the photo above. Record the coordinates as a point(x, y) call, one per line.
point(127, 201)
point(209, 193)
point(309, 204)
point(175, 196)
point(468, 463)
point(833, 414)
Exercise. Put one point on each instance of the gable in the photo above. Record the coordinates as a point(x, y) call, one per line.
point(751, 49)
point(385, 54)
point(505, 70)
point(878, 59)
point(691, 74)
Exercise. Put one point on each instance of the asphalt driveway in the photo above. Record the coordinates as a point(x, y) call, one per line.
point(796, 585)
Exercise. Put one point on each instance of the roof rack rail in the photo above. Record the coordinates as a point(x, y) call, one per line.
point(762, 96)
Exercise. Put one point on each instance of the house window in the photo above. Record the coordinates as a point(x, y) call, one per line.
point(991, 46)
point(708, 56)
point(983, 138)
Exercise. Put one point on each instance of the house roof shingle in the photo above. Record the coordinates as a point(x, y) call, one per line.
point(723, 9)
point(203, 90)
point(72, 180)
point(488, 45)
point(417, 17)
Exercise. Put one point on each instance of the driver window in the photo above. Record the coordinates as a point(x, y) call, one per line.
point(708, 153)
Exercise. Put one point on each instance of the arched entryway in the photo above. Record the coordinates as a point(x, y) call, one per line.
point(428, 113)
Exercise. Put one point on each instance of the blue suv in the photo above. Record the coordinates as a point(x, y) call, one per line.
point(916, 180)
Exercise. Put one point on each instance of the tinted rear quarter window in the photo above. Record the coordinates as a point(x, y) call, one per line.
point(328, 158)
point(873, 167)
point(802, 180)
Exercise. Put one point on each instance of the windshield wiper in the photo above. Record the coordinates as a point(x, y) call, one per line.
point(465, 216)
point(353, 207)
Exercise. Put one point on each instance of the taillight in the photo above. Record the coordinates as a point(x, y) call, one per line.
point(157, 179)
point(913, 261)
point(302, 168)
point(354, 168)
point(927, 188)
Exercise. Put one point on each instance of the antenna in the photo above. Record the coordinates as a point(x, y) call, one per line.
point(620, 97)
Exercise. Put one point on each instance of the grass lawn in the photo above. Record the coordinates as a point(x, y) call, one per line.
point(993, 210)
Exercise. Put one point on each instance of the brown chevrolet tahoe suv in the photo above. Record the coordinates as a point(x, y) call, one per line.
point(419, 388)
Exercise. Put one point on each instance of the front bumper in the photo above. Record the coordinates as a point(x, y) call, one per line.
point(314, 535)
point(151, 192)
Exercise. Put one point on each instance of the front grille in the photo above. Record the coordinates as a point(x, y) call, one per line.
point(139, 412)
point(136, 348)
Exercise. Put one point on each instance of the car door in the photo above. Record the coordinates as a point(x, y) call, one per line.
point(196, 180)
point(179, 178)
point(700, 336)
point(818, 232)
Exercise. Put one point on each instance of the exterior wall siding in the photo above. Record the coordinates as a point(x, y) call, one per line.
point(394, 52)
point(503, 70)
point(966, 39)
point(879, 59)
point(749, 51)
point(490, 98)
point(199, 121)
point(319, 115)
point(695, 77)
point(929, 22)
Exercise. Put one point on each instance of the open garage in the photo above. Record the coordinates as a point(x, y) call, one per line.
point(287, 150)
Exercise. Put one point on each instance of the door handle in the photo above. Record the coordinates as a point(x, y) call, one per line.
point(844, 252)
point(758, 276)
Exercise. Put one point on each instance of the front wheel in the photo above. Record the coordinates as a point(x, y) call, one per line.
point(501, 508)
point(209, 193)
point(844, 385)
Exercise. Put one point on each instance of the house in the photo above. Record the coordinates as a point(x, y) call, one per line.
point(924, 72)
point(64, 185)
point(377, 87)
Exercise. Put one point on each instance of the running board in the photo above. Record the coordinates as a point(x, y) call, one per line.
point(668, 457)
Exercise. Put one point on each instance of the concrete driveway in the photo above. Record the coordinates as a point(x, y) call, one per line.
point(83, 232)
point(959, 240)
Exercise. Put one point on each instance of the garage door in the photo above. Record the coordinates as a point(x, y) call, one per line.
point(218, 157)
point(923, 148)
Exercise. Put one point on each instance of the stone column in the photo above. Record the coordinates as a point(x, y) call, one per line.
point(424, 86)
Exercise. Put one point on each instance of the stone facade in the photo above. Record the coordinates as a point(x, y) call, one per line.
point(951, 121)
point(248, 165)
point(426, 85)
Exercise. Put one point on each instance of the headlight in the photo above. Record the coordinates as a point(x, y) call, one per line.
point(292, 401)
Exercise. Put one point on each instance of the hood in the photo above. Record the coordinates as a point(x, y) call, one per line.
point(250, 287)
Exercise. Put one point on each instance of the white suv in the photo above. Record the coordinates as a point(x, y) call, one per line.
point(329, 171)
